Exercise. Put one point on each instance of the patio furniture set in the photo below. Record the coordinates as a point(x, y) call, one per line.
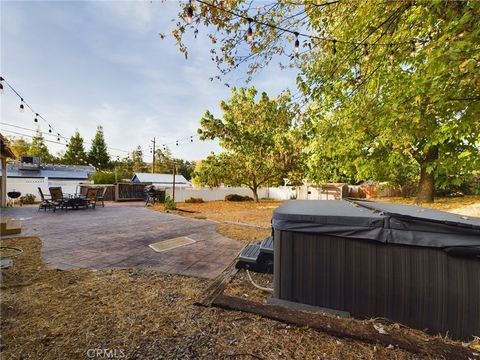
point(60, 200)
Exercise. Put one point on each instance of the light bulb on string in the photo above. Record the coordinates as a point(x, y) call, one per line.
point(391, 55)
point(58, 138)
point(1, 85)
point(334, 47)
point(22, 107)
point(366, 54)
point(189, 17)
point(36, 118)
point(250, 30)
point(191, 138)
point(296, 48)
point(176, 143)
point(413, 52)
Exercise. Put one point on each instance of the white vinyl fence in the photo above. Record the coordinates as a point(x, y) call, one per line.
point(31, 185)
point(219, 193)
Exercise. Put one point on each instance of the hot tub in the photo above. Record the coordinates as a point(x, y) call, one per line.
point(409, 264)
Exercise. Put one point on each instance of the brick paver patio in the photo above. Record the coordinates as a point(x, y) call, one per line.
point(118, 236)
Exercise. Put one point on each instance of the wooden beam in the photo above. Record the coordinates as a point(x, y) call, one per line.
point(348, 328)
point(218, 285)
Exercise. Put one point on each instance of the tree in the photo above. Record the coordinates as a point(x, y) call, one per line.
point(389, 82)
point(185, 168)
point(39, 149)
point(98, 154)
point(75, 153)
point(256, 136)
point(19, 146)
point(163, 161)
point(138, 165)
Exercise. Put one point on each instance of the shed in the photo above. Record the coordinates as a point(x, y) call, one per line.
point(416, 266)
point(161, 180)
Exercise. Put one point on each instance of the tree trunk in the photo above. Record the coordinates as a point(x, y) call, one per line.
point(426, 184)
point(255, 194)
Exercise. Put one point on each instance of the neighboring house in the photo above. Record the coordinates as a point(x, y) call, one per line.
point(161, 180)
point(29, 174)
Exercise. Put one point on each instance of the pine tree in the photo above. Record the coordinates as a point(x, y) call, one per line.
point(38, 148)
point(98, 155)
point(76, 151)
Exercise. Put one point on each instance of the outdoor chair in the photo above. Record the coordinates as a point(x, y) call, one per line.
point(45, 203)
point(101, 195)
point(58, 199)
point(90, 198)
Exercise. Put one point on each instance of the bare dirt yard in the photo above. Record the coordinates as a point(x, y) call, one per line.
point(141, 314)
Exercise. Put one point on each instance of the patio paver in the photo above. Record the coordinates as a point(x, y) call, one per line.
point(118, 236)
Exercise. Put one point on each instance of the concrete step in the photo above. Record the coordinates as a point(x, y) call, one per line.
point(9, 227)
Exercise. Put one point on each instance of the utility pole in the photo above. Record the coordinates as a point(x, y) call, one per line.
point(174, 173)
point(153, 152)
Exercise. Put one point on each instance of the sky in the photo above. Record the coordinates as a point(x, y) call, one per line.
point(86, 63)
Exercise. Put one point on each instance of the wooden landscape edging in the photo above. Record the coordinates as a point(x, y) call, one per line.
point(346, 328)
point(217, 287)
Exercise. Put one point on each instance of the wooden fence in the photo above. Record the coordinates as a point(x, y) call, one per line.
point(120, 191)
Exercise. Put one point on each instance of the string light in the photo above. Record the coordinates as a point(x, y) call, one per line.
point(334, 47)
point(366, 55)
point(36, 118)
point(286, 30)
point(392, 54)
point(297, 43)
point(413, 53)
point(1, 85)
point(249, 31)
point(189, 17)
point(191, 138)
point(22, 107)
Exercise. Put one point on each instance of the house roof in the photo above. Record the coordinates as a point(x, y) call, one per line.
point(70, 172)
point(159, 178)
point(5, 150)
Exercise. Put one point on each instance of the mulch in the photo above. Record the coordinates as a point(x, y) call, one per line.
point(52, 314)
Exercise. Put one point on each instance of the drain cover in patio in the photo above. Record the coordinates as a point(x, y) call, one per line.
point(171, 243)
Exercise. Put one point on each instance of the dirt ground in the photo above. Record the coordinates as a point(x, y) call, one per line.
point(55, 314)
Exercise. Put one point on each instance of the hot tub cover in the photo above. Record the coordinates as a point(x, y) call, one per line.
point(383, 222)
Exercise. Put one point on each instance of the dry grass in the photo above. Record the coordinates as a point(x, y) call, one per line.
point(242, 212)
point(53, 314)
point(445, 204)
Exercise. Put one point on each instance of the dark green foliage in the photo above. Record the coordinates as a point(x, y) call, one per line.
point(194, 200)
point(38, 148)
point(103, 177)
point(98, 154)
point(169, 203)
point(75, 154)
point(236, 197)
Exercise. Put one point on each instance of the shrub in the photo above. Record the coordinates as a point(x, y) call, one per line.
point(194, 200)
point(236, 197)
point(103, 177)
point(28, 199)
point(169, 203)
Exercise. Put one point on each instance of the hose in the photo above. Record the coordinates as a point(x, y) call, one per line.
point(258, 286)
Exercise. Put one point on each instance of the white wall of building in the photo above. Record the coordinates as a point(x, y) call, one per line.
point(31, 185)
